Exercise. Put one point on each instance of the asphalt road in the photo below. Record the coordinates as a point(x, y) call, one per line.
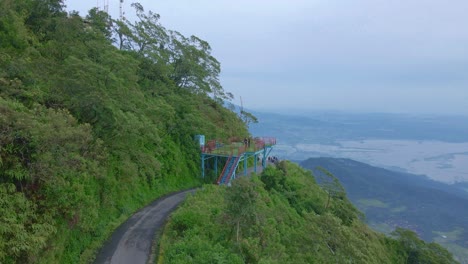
point(132, 242)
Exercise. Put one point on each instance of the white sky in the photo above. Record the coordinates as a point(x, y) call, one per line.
point(362, 55)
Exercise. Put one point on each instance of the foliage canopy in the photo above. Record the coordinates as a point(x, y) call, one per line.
point(283, 216)
point(97, 118)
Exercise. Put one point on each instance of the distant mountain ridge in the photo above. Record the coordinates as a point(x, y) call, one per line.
point(390, 199)
point(329, 126)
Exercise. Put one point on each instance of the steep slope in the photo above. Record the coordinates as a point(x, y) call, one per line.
point(283, 216)
point(436, 211)
point(97, 119)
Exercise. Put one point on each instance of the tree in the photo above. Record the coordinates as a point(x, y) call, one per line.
point(189, 60)
point(273, 178)
point(241, 200)
point(337, 200)
point(194, 67)
point(147, 36)
point(100, 21)
point(13, 34)
point(417, 251)
point(43, 15)
point(123, 32)
point(23, 231)
point(331, 185)
point(248, 118)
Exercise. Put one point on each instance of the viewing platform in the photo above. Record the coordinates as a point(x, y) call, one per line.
point(234, 152)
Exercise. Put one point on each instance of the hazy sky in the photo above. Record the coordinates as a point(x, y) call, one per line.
point(361, 55)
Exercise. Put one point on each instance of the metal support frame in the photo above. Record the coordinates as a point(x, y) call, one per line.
point(246, 158)
point(255, 162)
point(203, 165)
point(264, 152)
point(205, 157)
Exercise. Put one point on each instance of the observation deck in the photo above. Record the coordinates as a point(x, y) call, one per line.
point(234, 152)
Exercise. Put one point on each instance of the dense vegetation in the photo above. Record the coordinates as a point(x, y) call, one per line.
point(284, 216)
point(436, 211)
point(97, 118)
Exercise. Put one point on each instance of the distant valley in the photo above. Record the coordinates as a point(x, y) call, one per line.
point(419, 174)
point(435, 146)
point(436, 211)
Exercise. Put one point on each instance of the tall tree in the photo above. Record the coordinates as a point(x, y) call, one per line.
point(43, 14)
point(101, 21)
point(248, 118)
point(241, 201)
point(331, 185)
point(147, 35)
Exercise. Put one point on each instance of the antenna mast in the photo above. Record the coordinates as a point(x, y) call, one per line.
point(106, 6)
point(122, 13)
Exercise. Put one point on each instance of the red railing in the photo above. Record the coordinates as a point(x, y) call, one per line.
point(224, 169)
point(235, 147)
point(231, 172)
point(269, 141)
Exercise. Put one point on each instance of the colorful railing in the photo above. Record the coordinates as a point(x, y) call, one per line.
point(234, 147)
point(232, 171)
point(226, 167)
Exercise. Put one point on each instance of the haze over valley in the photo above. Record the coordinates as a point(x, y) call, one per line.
point(425, 185)
point(427, 145)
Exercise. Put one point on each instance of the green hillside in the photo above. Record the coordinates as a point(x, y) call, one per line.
point(435, 210)
point(97, 118)
point(284, 216)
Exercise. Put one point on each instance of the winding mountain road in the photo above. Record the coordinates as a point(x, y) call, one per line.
point(132, 242)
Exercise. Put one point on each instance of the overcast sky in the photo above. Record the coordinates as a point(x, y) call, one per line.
point(405, 56)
